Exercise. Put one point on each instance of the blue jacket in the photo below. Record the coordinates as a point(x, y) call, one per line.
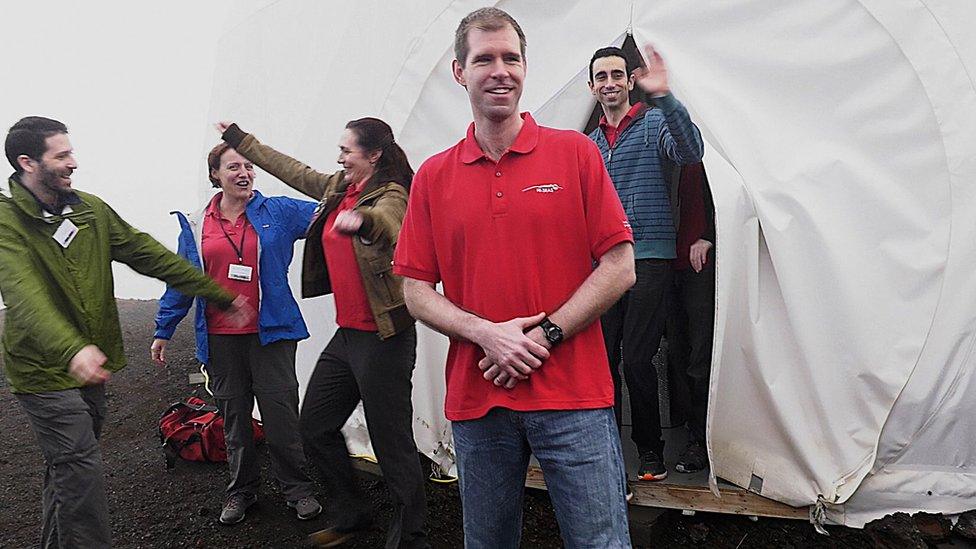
point(279, 221)
point(636, 164)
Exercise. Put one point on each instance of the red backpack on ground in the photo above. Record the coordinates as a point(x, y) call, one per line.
point(194, 430)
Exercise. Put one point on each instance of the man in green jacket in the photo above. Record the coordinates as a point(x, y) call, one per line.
point(61, 338)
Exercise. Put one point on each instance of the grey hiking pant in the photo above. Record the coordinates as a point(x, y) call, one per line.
point(67, 425)
point(241, 369)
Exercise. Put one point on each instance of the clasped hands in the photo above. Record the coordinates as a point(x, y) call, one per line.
point(513, 350)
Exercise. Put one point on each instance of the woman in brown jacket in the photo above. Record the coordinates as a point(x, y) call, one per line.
point(349, 252)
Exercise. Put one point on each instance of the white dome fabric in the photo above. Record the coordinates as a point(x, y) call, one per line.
point(841, 150)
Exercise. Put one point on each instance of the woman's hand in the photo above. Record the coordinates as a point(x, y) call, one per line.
point(348, 222)
point(158, 351)
point(222, 126)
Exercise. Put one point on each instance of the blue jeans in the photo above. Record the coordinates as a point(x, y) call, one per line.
point(579, 451)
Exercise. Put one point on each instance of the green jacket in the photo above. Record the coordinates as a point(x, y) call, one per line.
point(62, 299)
point(382, 209)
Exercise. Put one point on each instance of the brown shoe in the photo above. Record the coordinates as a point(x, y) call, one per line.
point(329, 537)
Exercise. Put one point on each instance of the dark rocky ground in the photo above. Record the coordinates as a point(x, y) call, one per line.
point(153, 508)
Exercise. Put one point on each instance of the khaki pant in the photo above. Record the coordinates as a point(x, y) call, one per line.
point(67, 425)
point(241, 369)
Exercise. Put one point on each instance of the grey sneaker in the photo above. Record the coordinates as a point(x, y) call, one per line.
point(235, 506)
point(306, 508)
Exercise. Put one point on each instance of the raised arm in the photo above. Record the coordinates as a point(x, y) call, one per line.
point(679, 138)
point(291, 172)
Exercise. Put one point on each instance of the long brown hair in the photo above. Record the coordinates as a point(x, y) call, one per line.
point(372, 134)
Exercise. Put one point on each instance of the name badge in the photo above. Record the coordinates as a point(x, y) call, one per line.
point(65, 233)
point(239, 272)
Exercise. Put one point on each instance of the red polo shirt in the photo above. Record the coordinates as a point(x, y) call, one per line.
point(218, 254)
point(612, 132)
point(512, 239)
point(352, 305)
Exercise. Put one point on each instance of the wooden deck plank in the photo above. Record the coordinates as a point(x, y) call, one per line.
point(670, 495)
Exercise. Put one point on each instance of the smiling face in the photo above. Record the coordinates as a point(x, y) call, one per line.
point(493, 73)
point(56, 165)
point(235, 175)
point(358, 163)
point(611, 84)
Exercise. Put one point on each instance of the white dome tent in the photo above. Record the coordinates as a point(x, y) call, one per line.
point(841, 150)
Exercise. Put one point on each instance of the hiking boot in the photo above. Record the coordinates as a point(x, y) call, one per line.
point(693, 459)
point(306, 508)
point(651, 467)
point(235, 506)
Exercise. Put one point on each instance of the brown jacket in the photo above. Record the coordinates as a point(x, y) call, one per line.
point(382, 209)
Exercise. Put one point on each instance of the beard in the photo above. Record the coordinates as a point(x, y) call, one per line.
point(51, 181)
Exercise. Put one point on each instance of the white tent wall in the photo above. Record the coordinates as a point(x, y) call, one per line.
point(925, 457)
point(838, 274)
point(840, 153)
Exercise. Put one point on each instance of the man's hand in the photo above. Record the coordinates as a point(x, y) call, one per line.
point(240, 313)
point(698, 254)
point(157, 351)
point(222, 126)
point(506, 345)
point(654, 78)
point(501, 378)
point(348, 222)
point(86, 366)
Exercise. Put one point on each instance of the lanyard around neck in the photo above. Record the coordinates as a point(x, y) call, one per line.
point(239, 250)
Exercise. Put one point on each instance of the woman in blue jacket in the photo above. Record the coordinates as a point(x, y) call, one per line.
point(244, 241)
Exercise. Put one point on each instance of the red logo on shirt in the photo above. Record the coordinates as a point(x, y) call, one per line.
point(545, 188)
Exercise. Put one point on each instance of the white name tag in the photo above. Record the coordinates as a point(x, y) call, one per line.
point(65, 233)
point(239, 272)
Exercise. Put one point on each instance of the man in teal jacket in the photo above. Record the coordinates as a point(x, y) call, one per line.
point(61, 338)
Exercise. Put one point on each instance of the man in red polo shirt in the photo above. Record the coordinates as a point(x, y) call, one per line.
point(512, 220)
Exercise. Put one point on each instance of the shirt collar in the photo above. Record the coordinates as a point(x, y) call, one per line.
point(61, 208)
point(632, 113)
point(525, 141)
point(213, 207)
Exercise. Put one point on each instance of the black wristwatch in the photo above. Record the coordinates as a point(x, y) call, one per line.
point(553, 333)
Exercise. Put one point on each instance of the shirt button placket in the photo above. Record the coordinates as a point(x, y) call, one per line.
point(499, 205)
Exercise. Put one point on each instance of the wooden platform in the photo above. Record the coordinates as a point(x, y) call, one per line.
point(692, 494)
point(686, 492)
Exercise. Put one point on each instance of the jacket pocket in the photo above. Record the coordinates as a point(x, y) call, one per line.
point(387, 286)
